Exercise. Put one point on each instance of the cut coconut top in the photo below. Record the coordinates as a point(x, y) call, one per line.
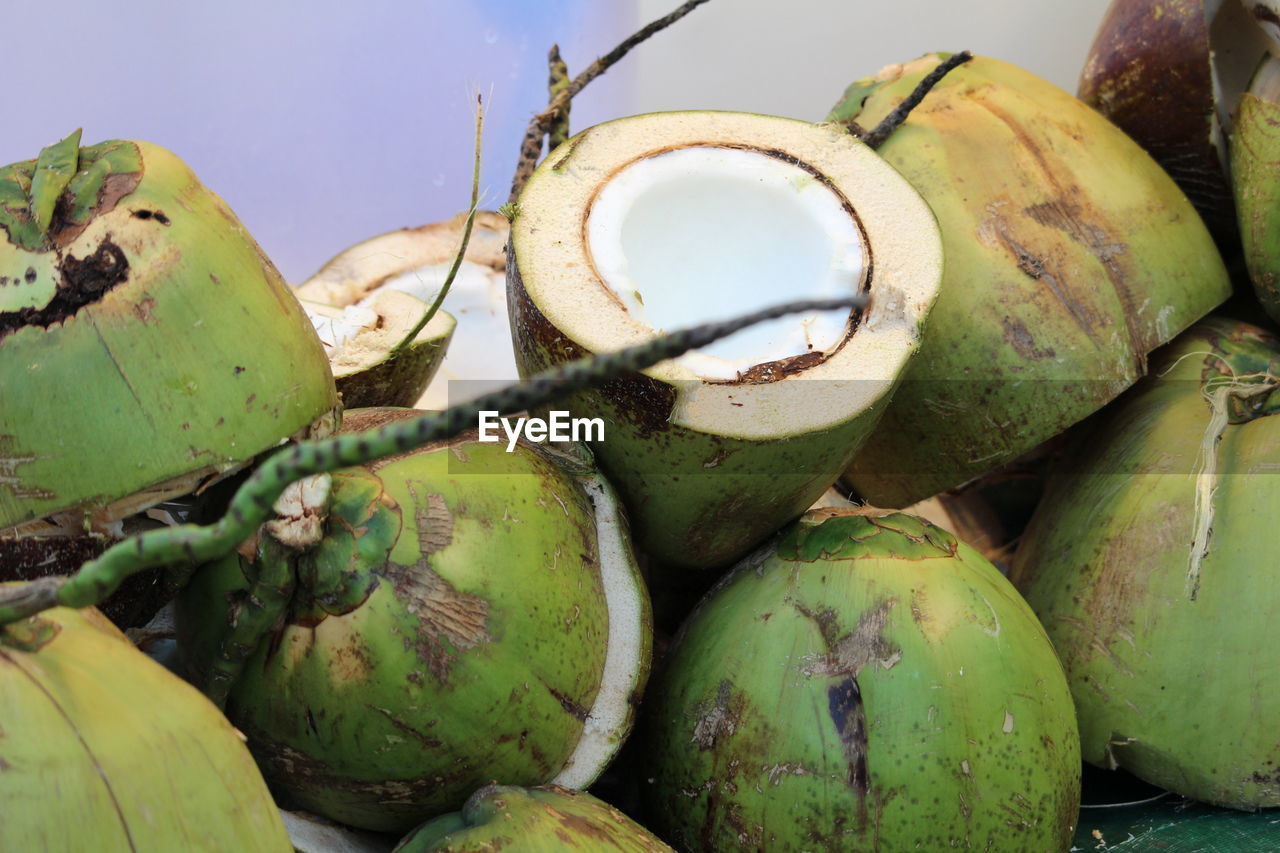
point(416, 261)
point(359, 336)
point(663, 221)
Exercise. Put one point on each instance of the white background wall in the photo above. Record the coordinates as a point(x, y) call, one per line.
point(324, 122)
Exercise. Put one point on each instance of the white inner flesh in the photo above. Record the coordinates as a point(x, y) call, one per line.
point(704, 233)
point(611, 714)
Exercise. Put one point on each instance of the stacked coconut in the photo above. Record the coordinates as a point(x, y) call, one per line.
point(460, 634)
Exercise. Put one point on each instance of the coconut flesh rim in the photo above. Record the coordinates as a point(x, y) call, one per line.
point(626, 662)
point(707, 215)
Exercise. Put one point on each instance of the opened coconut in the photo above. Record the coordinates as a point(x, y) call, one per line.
point(1169, 73)
point(662, 221)
point(415, 262)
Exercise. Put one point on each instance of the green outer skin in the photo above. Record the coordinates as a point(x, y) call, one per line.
point(1070, 255)
point(1255, 172)
point(199, 360)
point(381, 718)
point(1181, 693)
point(964, 728)
point(532, 820)
point(103, 749)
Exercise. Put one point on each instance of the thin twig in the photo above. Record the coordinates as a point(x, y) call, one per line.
point(462, 249)
point(539, 126)
point(878, 134)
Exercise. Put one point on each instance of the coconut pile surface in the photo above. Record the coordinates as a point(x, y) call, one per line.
point(411, 634)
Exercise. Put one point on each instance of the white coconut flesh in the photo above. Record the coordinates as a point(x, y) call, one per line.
point(769, 221)
point(626, 659)
point(663, 221)
point(359, 336)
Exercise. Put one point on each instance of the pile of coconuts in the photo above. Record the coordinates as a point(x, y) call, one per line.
point(848, 580)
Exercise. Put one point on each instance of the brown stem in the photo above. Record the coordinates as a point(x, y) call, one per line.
point(541, 123)
point(559, 79)
point(878, 134)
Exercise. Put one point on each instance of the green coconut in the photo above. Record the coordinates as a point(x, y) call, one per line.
point(103, 749)
point(1255, 170)
point(1070, 255)
point(146, 343)
point(454, 615)
point(665, 220)
point(1143, 562)
point(546, 819)
point(862, 683)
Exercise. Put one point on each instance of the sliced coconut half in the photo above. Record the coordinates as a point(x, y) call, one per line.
point(416, 261)
point(361, 339)
point(658, 222)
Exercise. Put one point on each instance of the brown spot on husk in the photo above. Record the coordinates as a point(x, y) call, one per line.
point(434, 522)
point(571, 706)
point(1018, 337)
point(11, 458)
point(84, 282)
point(716, 719)
point(449, 621)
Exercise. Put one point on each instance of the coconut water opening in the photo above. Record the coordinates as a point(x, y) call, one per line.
point(706, 233)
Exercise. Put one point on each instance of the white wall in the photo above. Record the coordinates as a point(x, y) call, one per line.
point(324, 122)
point(795, 57)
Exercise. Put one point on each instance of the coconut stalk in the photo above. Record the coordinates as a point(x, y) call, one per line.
point(1060, 274)
point(109, 751)
point(1144, 555)
point(862, 683)
point(190, 544)
point(127, 292)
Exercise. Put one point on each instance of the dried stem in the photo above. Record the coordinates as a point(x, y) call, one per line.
point(407, 340)
point(541, 123)
point(878, 134)
point(558, 81)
